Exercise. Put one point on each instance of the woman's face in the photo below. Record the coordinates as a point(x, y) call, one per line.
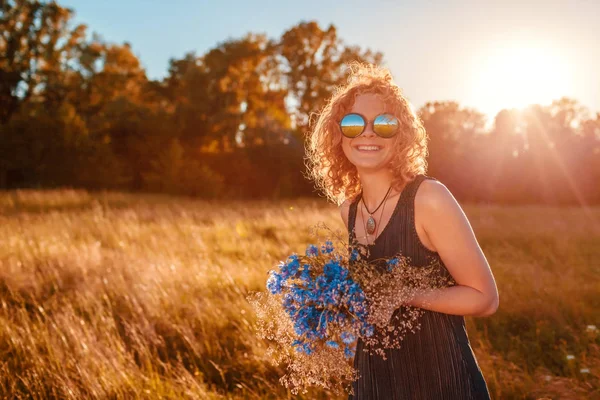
point(370, 106)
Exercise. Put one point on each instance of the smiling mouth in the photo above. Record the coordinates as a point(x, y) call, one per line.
point(367, 148)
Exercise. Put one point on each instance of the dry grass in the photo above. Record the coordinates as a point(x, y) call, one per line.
point(118, 296)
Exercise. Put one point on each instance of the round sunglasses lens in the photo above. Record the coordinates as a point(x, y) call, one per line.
point(386, 125)
point(352, 125)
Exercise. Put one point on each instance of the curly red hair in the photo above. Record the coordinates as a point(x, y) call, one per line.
point(326, 162)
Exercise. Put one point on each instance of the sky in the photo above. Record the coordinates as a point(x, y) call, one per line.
point(487, 55)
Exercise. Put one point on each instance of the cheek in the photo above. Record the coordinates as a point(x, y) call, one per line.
point(346, 146)
point(394, 144)
point(391, 152)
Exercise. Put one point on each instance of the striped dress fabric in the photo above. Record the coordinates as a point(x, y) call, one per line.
point(437, 361)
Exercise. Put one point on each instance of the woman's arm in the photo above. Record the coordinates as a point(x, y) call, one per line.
point(449, 232)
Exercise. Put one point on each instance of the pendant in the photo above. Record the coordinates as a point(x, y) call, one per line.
point(370, 225)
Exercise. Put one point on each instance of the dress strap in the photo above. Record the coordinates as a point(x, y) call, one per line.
point(413, 186)
point(352, 217)
point(410, 212)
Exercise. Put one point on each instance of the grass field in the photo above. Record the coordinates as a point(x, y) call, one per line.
point(114, 295)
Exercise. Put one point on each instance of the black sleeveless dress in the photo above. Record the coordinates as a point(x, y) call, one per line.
point(437, 361)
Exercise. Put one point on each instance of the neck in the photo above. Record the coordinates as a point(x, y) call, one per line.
point(374, 186)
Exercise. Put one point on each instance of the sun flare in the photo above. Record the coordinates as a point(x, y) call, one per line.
point(519, 76)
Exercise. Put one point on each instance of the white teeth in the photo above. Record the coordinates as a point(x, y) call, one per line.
point(367, 147)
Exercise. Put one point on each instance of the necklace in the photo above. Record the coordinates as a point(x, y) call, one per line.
point(380, 216)
point(371, 221)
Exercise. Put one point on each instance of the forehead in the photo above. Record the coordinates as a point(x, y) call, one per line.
point(369, 104)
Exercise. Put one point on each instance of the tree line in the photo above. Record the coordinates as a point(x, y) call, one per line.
point(231, 122)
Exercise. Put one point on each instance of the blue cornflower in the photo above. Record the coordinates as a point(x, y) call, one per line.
point(347, 337)
point(275, 283)
point(288, 300)
point(305, 275)
point(315, 303)
point(332, 269)
point(327, 247)
point(312, 251)
point(343, 273)
point(354, 255)
point(391, 263)
point(289, 268)
point(348, 352)
point(307, 348)
point(368, 330)
point(321, 281)
point(293, 262)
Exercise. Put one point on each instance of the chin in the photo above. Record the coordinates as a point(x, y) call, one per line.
point(369, 167)
point(369, 164)
point(373, 164)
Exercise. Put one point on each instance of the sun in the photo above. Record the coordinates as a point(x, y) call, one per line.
point(515, 77)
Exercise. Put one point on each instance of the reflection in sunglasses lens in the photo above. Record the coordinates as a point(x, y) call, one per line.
point(352, 125)
point(385, 125)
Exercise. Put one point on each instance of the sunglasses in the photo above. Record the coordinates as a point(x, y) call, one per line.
point(384, 125)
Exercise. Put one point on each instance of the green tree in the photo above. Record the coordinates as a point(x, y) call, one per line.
point(314, 61)
point(37, 44)
point(231, 95)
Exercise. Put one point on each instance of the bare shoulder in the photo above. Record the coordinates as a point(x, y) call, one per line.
point(435, 208)
point(433, 195)
point(344, 210)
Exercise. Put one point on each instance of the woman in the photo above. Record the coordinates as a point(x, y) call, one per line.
point(368, 151)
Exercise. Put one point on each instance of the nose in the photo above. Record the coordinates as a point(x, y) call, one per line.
point(368, 132)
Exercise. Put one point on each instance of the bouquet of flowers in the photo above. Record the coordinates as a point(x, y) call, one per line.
point(318, 305)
